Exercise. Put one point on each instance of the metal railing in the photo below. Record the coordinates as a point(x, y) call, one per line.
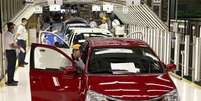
point(158, 39)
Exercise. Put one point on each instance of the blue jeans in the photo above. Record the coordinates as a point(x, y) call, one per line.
point(21, 55)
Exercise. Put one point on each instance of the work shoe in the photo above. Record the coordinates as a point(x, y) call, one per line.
point(25, 63)
point(15, 81)
point(21, 65)
point(11, 84)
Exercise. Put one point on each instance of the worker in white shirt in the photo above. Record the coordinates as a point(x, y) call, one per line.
point(92, 23)
point(115, 23)
point(104, 24)
point(10, 49)
point(21, 41)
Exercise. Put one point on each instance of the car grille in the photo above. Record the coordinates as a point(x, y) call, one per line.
point(154, 99)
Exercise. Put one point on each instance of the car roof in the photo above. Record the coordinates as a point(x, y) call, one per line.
point(77, 25)
point(115, 42)
point(90, 30)
point(75, 20)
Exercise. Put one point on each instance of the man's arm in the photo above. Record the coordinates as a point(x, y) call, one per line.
point(14, 45)
point(17, 34)
point(79, 65)
point(19, 31)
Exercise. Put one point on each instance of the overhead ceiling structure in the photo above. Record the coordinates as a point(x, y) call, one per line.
point(140, 15)
point(79, 1)
point(123, 2)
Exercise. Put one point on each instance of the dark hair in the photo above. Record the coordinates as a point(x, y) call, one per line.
point(24, 19)
point(56, 44)
point(10, 24)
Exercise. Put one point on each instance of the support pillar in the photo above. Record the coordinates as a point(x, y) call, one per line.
point(197, 59)
point(186, 55)
point(165, 46)
point(176, 51)
point(169, 45)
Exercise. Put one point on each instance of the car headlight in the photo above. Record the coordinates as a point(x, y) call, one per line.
point(171, 96)
point(93, 96)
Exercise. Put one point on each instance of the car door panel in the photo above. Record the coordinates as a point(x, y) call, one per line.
point(47, 78)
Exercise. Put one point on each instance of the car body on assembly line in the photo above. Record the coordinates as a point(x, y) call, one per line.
point(79, 35)
point(76, 35)
point(71, 23)
point(115, 70)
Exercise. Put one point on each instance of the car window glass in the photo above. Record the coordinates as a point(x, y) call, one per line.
point(80, 38)
point(71, 37)
point(117, 50)
point(123, 61)
point(54, 40)
point(46, 58)
point(86, 35)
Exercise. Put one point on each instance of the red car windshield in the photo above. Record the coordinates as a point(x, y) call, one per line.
point(124, 61)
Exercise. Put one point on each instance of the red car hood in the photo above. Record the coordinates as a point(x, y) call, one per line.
point(131, 87)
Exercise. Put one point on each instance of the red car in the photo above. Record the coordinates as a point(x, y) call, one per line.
point(115, 70)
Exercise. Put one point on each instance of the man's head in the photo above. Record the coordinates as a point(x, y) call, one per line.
point(76, 51)
point(103, 19)
point(10, 26)
point(24, 21)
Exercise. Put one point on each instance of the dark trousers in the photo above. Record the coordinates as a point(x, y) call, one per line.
point(21, 55)
point(11, 62)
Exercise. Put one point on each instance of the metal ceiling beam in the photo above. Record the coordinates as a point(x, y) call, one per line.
point(122, 2)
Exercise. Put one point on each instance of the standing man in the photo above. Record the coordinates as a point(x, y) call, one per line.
point(21, 41)
point(92, 23)
point(10, 49)
point(104, 24)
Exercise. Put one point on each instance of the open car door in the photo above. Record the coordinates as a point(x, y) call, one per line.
point(53, 76)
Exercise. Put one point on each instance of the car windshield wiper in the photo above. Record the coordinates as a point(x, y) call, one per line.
point(101, 71)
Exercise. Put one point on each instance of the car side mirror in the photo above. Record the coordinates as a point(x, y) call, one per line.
point(171, 67)
point(70, 70)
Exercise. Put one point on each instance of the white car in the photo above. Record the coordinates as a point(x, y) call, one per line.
point(73, 23)
point(79, 35)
